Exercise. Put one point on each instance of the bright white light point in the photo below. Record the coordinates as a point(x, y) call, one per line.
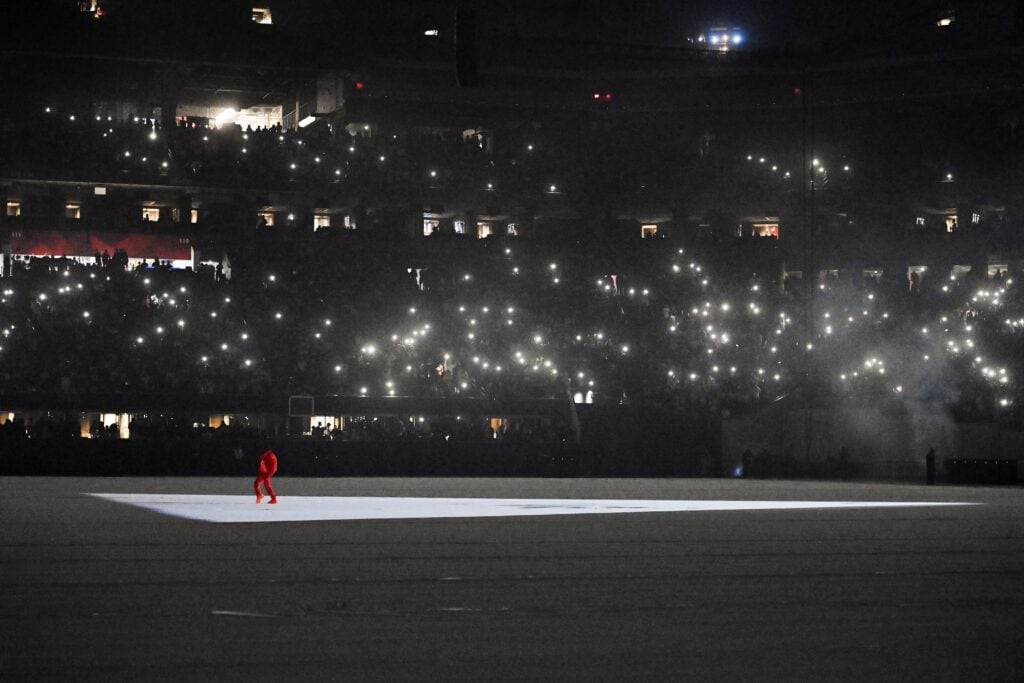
point(362, 390)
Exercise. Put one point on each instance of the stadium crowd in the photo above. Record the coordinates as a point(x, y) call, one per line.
point(360, 158)
point(507, 318)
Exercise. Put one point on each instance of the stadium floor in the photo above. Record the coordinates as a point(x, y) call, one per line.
point(98, 589)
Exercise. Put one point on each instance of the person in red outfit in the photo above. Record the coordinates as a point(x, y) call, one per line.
point(268, 466)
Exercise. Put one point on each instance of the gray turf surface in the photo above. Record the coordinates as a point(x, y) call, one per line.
point(96, 590)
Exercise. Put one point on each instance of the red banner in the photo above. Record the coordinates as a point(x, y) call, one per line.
point(75, 243)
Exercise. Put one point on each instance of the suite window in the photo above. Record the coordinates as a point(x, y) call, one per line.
point(73, 211)
point(13, 208)
point(266, 217)
point(766, 230)
point(484, 230)
point(321, 220)
point(430, 226)
point(150, 214)
point(648, 231)
point(193, 216)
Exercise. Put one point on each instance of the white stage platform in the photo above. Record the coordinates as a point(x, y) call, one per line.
point(232, 509)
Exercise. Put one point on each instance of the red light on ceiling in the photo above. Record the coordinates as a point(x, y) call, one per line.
point(798, 91)
point(360, 85)
point(597, 96)
point(607, 96)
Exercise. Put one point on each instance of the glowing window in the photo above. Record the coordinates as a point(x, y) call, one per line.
point(766, 230)
point(13, 208)
point(321, 220)
point(266, 217)
point(648, 230)
point(513, 229)
point(150, 213)
point(193, 216)
point(484, 230)
point(261, 15)
point(72, 211)
point(430, 226)
point(460, 227)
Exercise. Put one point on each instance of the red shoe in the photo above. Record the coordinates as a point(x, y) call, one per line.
point(259, 498)
point(273, 501)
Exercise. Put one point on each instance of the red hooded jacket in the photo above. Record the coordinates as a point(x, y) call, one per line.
point(268, 463)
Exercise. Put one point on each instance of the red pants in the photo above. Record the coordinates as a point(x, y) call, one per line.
point(265, 480)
